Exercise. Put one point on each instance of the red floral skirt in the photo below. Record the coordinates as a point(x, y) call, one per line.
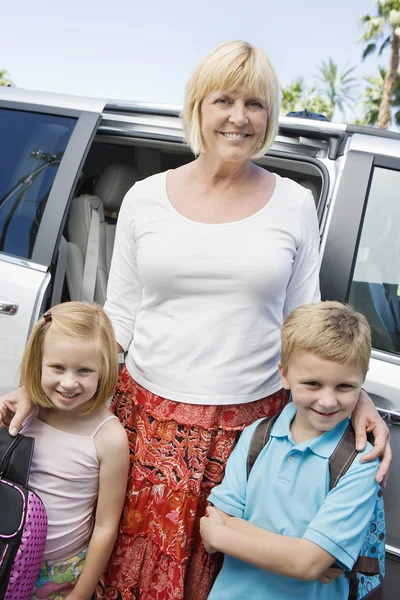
point(178, 453)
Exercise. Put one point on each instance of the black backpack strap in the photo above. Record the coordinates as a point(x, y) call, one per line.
point(342, 457)
point(339, 463)
point(259, 440)
point(15, 457)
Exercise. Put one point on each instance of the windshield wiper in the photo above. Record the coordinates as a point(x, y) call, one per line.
point(27, 180)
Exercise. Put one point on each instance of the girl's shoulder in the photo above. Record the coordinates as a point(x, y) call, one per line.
point(109, 435)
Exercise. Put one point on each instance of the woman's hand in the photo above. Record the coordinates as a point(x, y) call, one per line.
point(14, 408)
point(367, 419)
point(209, 526)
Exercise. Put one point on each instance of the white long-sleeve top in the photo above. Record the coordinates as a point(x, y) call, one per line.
point(200, 305)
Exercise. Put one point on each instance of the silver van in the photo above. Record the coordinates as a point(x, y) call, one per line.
point(66, 163)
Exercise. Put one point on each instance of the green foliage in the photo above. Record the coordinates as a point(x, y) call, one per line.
point(372, 98)
point(339, 87)
point(380, 31)
point(4, 78)
point(333, 88)
point(380, 28)
point(292, 96)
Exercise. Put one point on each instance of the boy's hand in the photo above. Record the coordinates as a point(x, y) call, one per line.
point(330, 575)
point(209, 526)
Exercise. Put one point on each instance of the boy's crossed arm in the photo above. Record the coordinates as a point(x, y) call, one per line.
point(284, 555)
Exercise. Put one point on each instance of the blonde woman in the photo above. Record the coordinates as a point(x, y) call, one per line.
point(209, 259)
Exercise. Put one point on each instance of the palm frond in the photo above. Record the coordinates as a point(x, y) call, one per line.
point(368, 50)
point(385, 43)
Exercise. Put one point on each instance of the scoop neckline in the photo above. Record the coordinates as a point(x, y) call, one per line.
point(229, 223)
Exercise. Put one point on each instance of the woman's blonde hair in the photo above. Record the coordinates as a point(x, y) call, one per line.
point(79, 321)
point(330, 330)
point(231, 66)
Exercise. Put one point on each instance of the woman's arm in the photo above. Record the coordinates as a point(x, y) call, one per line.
point(124, 288)
point(113, 453)
point(365, 419)
point(14, 409)
point(303, 286)
point(284, 555)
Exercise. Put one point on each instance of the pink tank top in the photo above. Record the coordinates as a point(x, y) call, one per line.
point(65, 474)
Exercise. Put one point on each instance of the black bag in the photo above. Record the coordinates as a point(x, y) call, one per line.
point(23, 519)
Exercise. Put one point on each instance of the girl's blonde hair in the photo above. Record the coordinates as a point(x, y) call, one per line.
point(80, 321)
point(231, 66)
point(330, 330)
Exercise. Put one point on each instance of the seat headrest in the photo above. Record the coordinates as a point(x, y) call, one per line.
point(113, 184)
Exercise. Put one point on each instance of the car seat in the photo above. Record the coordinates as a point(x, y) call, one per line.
point(91, 236)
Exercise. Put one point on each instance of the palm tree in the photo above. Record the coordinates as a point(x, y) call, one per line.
point(291, 96)
point(295, 97)
point(383, 30)
point(372, 99)
point(339, 87)
point(4, 79)
point(315, 102)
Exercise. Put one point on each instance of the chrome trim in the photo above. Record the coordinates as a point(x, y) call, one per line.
point(42, 99)
point(152, 120)
point(38, 302)
point(385, 356)
point(8, 308)
point(375, 144)
point(173, 110)
point(324, 126)
point(389, 415)
point(143, 132)
point(22, 262)
point(392, 550)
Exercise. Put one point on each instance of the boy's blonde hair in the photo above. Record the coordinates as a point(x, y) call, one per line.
point(330, 330)
point(80, 321)
point(231, 66)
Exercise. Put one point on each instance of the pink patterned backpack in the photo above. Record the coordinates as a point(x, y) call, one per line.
point(23, 520)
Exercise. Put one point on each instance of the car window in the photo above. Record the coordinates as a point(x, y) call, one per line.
point(31, 148)
point(375, 290)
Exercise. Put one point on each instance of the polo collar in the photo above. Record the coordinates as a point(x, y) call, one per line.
point(322, 445)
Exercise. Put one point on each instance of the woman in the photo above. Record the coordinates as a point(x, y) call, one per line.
point(208, 260)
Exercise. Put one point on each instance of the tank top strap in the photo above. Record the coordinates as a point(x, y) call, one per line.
point(100, 425)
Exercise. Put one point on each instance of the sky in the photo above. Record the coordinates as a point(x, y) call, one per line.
point(146, 50)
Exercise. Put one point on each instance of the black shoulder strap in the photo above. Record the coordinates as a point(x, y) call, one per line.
point(259, 440)
point(342, 457)
point(15, 457)
point(339, 463)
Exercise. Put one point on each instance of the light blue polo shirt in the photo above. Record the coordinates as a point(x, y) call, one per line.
point(288, 493)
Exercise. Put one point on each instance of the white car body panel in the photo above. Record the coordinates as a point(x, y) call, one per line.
point(24, 286)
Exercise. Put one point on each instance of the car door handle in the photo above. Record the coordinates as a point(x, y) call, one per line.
point(8, 308)
point(386, 409)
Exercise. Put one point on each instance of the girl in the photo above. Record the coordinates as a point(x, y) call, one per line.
point(81, 457)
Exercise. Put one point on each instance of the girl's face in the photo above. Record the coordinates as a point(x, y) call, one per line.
point(70, 371)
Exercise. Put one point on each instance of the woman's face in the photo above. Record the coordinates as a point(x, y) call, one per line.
point(233, 124)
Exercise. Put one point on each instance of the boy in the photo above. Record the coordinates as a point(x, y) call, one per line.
point(282, 528)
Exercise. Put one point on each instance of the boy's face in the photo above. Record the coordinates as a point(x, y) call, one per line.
point(324, 392)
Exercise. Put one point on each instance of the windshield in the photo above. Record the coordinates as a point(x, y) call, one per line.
point(31, 148)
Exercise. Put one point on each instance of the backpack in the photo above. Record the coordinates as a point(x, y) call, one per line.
point(367, 574)
point(23, 520)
